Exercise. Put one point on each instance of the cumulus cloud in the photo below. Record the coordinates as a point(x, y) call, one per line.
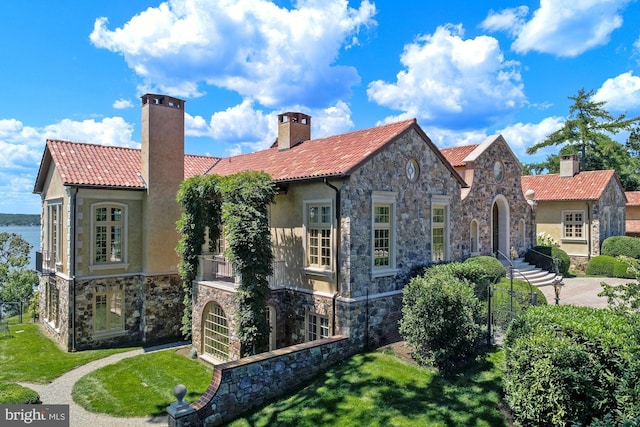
point(453, 82)
point(559, 27)
point(264, 52)
point(621, 93)
point(108, 131)
point(121, 104)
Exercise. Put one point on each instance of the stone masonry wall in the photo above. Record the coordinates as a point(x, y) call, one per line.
point(59, 334)
point(239, 386)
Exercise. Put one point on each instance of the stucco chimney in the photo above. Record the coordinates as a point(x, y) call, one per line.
point(569, 165)
point(162, 169)
point(293, 128)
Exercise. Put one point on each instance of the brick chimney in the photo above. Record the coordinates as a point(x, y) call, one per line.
point(569, 165)
point(293, 128)
point(162, 169)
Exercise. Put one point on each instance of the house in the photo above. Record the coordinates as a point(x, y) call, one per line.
point(496, 218)
point(577, 209)
point(108, 265)
point(632, 223)
point(356, 214)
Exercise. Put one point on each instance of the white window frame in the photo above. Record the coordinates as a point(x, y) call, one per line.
point(54, 233)
point(271, 321)
point(219, 337)
point(316, 326)
point(123, 262)
point(114, 302)
point(384, 199)
point(574, 223)
point(52, 305)
point(441, 202)
point(319, 268)
point(474, 237)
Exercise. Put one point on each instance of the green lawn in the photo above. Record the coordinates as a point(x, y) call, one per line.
point(141, 385)
point(28, 356)
point(380, 389)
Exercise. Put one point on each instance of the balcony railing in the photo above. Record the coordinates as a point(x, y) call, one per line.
point(45, 263)
point(216, 268)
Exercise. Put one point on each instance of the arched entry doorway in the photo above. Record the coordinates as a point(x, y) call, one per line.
point(500, 227)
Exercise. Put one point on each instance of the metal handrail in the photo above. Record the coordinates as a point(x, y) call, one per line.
point(554, 260)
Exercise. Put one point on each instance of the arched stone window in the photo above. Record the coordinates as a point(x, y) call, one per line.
point(522, 234)
point(215, 332)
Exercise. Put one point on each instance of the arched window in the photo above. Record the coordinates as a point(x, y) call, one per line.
point(215, 332)
point(474, 237)
point(522, 234)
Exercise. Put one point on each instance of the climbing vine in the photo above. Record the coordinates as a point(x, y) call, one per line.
point(245, 214)
point(200, 200)
point(240, 202)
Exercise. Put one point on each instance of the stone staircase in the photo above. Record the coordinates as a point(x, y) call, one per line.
point(525, 271)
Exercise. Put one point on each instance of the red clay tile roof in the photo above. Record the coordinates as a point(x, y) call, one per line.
point(587, 185)
point(456, 155)
point(105, 166)
point(633, 198)
point(336, 155)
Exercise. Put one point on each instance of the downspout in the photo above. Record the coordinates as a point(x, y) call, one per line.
point(589, 231)
point(337, 255)
point(73, 269)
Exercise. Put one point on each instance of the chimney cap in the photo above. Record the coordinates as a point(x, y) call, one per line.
point(165, 100)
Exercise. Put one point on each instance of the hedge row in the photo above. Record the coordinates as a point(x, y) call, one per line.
point(608, 266)
point(621, 245)
point(568, 365)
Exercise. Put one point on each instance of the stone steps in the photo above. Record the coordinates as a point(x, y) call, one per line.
point(534, 275)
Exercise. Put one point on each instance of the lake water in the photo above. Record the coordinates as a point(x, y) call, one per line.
point(30, 234)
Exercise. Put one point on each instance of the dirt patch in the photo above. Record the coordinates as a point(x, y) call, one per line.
point(401, 350)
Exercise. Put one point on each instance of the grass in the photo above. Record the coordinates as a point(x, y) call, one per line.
point(28, 356)
point(141, 385)
point(15, 394)
point(380, 389)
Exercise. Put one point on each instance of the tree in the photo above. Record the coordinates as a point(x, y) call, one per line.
point(586, 133)
point(16, 282)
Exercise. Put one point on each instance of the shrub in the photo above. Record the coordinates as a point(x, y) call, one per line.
point(15, 394)
point(543, 256)
point(441, 319)
point(608, 266)
point(621, 245)
point(567, 365)
point(491, 266)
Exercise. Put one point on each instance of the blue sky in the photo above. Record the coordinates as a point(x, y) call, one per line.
point(464, 69)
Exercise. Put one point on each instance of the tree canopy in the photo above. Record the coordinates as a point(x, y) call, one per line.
point(16, 281)
point(587, 133)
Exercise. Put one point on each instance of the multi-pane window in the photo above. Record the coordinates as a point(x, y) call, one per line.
point(382, 235)
point(573, 225)
point(317, 327)
point(54, 235)
point(438, 235)
point(474, 237)
point(52, 308)
point(108, 234)
point(319, 222)
point(215, 332)
point(108, 312)
point(383, 240)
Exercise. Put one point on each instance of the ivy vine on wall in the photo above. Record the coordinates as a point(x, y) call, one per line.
point(240, 202)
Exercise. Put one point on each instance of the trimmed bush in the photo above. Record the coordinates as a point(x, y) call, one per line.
point(15, 394)
point(621, 245)
point(441, 318)
point(490, 265)
point(542, 257)
point(567, 365)
point(608, 266)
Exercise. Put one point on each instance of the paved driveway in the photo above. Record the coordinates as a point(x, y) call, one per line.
point(582, 291)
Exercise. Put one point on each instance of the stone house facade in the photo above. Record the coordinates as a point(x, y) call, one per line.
point(108, 269)
point(496, 218)
point(578, 209)
point(632, 220)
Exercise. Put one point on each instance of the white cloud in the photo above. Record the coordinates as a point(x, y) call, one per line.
point(264, 52)
point(121, 104)
point(560, 27)
point(109, 131)
point(621, 93)
point(453, 82)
